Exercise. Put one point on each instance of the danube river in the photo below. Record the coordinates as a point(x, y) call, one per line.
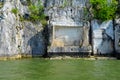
point(68, 69)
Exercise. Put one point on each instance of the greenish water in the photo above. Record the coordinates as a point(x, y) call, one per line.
point(41, 69)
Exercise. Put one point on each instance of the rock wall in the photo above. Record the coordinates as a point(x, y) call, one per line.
point(66, 12)
point(117, 36)
point(18, 37)
point(72, 13)
point(64, 17)
point(102, 37)
point(24, 37)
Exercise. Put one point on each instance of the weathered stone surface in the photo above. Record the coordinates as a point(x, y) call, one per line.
point(69, 49)
point(103, 36)
point(68, 26)
point(117, 36)
point(33, 40)
point(70, 36)
point(64, 12)
point(8, 44)
point(19, 37)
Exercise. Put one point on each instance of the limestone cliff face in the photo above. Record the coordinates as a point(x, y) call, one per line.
point(25, 37)
point(18, 37)
point(66, 12)
point(69, 24)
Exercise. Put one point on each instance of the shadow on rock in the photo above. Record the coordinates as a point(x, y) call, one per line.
point(36, 44)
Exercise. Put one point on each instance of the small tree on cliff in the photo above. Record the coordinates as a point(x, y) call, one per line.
point(104, 9)
point(37, 12)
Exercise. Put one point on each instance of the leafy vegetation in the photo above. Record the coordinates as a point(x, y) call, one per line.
point(37, 13)
point(104, 9)
point(15, 11)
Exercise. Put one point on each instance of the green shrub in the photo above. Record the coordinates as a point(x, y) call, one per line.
point(43, 22)
point(104, 9)
point(15, 11)
point(37, 13)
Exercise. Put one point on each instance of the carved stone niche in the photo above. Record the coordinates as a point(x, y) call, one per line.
point(66, 39)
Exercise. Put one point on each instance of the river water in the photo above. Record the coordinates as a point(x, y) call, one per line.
point(74, 69)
